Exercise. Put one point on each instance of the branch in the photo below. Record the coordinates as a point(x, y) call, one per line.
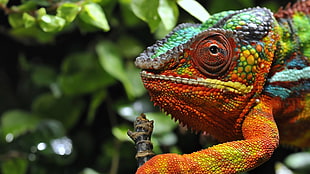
point(143, 129)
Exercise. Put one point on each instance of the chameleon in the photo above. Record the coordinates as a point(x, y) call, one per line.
point(243, 77)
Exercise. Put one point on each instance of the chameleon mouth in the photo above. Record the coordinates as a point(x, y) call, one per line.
point(235, 87)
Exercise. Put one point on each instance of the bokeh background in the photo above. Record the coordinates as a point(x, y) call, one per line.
point(69, 90)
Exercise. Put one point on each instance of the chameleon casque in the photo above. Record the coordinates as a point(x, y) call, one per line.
point(242, 77)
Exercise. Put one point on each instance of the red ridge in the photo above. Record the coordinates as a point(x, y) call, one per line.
point(298, 7)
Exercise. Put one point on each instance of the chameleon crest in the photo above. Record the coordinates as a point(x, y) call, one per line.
point(221, 77)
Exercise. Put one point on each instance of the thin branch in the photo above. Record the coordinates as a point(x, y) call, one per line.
point(143, 129)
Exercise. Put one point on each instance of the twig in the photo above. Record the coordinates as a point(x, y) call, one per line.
point(143, 129)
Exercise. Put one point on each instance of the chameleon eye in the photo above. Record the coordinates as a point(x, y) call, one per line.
point(212, 53)
point(214, 49)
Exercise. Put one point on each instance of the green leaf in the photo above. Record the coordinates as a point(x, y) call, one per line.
point(195, 9)
point(33, 32)
point(111, 61)
point(120, 132)
point(4, 2)
point(163, 123)
point(130, 19)
point(134, 82)
point(93, 14)
point(26, 6)
point(65, 109)
point(68, 11)
point(18, 122)
point(81, 74)
point(16, 20)
point(96, 100)
point(168, 12)
point(43, 75)
point(83, 83)
point(149, 15)
point(49, 129)
point(78, 61)
point(44, 3)
point(28, 20)
point(14, 166)
point(23, 63)
point(130, 46)
point(51, 23)
point(41, 12)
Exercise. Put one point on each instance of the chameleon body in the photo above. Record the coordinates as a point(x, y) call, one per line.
point(242, 77)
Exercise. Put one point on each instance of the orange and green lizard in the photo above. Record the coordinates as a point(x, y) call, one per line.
point(242, 77)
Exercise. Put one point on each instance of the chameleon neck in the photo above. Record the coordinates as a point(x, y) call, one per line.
point(290, 73)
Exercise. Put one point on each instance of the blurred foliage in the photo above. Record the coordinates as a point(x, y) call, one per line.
point(69, 88)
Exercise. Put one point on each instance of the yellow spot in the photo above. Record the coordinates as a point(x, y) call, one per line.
point(246, 53)
point(253, 51)
point(250, 60)
point(242, 58)
point(256, 55)
point(248, 68)
point(242, 22)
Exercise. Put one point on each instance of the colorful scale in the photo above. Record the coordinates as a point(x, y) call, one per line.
point(242, 77)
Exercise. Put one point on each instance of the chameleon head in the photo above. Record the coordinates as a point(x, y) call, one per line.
point(211, 70)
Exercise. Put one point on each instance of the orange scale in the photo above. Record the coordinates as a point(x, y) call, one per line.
point(249, 76)
point(258, 48)
point(234, 77)
point(251, 60)
point(254, 69)
point(243, 75)
point(238, 27)
point(182, 61)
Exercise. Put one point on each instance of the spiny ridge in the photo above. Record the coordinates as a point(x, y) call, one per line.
point(290, 10)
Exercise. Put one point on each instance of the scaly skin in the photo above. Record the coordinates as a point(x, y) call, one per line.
point(242, 77)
